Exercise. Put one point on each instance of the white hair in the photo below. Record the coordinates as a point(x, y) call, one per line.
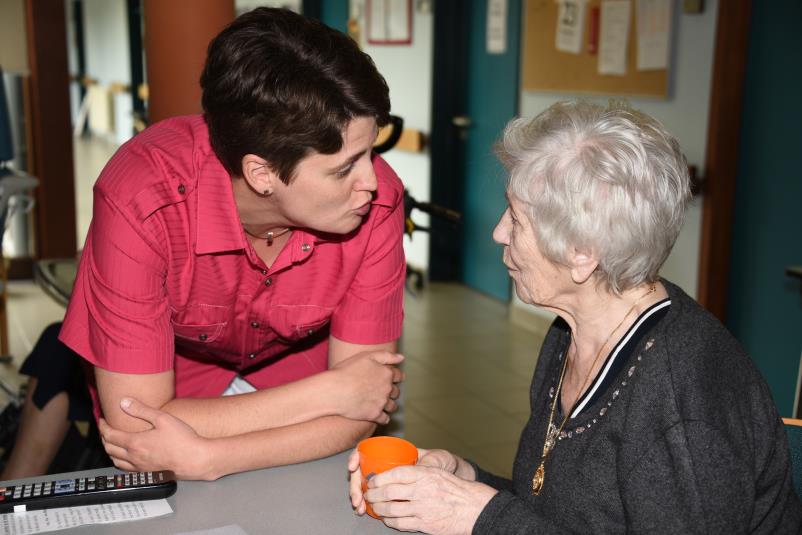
point(610, 180)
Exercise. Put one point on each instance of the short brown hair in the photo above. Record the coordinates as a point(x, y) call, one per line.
point(281, 86)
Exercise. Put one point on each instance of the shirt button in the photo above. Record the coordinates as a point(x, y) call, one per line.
point(181, 189)
point(305, 247)
point(268, 282)
point(255, 324)
point(264, 272)
point(252, 356)
point(203, 337)
point(310, 332)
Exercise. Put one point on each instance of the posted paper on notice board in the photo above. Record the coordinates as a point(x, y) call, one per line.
point(654, 33)
point(614, 36)
point(570, 26)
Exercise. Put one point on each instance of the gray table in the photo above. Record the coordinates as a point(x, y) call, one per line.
point(308, 499)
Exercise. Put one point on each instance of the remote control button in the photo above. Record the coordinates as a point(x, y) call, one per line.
point(64, 486)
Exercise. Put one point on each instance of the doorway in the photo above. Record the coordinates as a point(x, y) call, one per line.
point(475, 93)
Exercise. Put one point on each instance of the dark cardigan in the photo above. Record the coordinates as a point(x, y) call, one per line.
point(687, 439)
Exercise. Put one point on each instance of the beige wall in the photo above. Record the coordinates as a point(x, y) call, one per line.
point(13, 49)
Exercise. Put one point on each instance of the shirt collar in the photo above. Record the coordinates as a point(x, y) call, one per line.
point(218, 222)
point(385, 195)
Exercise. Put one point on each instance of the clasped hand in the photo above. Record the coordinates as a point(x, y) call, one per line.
point(430, 497)
point(163, 447)
point(368, 385)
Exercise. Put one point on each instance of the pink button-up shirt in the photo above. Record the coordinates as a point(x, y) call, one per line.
point(168, 279)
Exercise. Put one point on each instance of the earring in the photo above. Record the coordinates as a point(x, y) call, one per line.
point(267, 193)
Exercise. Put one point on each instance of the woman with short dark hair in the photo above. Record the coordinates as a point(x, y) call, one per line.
point(254, 250)
point(646, 414)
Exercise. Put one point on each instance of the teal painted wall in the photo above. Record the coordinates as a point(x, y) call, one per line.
point(764, 305)
point(492, 101)
point(334, 13)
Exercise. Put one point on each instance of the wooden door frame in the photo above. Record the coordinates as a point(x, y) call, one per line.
point(721, 158)
point(49, 132)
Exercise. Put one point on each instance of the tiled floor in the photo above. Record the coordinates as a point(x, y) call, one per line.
point(468, 368)
point(468, 372)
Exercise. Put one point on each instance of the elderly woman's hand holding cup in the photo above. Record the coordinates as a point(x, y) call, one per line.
point(436, 495)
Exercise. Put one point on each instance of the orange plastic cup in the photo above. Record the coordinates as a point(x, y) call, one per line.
point(378, 454)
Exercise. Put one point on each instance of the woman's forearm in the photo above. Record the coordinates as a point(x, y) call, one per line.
point(306, 441)
point(285, 405)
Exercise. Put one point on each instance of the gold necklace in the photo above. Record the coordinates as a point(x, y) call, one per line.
point(552, 431)
point(269, 237)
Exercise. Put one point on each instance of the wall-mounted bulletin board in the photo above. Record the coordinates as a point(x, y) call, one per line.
point(546, 68)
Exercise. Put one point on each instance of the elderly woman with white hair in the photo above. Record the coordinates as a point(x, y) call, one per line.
point(646, 414)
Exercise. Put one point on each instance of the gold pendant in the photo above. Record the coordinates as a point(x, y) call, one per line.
point(551, 439)
point(537, 480)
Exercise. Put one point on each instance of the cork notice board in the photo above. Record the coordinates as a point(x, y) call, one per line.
point(547, 69)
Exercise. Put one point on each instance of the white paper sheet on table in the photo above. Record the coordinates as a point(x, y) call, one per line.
point(45, 520)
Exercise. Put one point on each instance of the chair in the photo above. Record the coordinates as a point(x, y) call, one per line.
point(12, 185)
point(793, 428)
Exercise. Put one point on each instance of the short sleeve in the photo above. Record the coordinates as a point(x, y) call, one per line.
point(118, 317)
point(372, 310)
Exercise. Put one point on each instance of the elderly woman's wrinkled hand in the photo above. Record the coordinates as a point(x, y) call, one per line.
point(427, 499)
point(355, 483)
point(442, 459)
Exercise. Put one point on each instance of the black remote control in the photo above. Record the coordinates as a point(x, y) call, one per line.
point(121, 487)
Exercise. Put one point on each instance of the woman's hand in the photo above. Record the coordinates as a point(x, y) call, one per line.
point(428, 499)
point(445, 460)
point(367, 385)
point(170, 445)
point(440, 459)
point(355, 483)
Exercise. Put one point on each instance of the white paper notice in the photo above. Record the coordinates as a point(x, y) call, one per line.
point(570, 26)
point(496, 26)
point(613, 37)
point(389, 21)
point(654, 33)
point(45, 520)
